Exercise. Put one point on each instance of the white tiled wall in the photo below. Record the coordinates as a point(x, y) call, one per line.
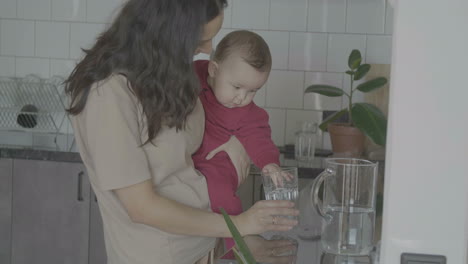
point(309, 39)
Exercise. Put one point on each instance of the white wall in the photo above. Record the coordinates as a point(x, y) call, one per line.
point(426, 202)
point(310, 41)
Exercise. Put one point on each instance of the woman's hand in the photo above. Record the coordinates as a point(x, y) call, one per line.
point(238, 156)
point(266, 216)
point(271, 251)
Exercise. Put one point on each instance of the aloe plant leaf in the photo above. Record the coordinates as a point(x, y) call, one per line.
point(354, 59)
point(244, 250)
point(239, 257)
point(362, 71)
point(324, 89)
point(371, 121)
point(323, 126)
point(372, 84)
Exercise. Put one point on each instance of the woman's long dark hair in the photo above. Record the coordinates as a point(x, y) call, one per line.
point(152, 43)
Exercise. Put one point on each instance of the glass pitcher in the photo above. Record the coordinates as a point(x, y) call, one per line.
point(347, 206)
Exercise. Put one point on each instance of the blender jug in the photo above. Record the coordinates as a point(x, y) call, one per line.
point(348, 205)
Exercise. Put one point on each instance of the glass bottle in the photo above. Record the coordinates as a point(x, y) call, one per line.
point(304, 148)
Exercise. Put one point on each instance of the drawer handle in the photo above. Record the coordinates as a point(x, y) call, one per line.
point(80, 186)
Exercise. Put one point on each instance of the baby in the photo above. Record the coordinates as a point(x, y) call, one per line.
point(239, 67)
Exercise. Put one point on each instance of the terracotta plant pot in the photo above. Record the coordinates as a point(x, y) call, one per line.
point(347, 141)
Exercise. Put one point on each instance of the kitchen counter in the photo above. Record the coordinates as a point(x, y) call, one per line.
point(38, 154)
point(305, 170)
point(307, 235)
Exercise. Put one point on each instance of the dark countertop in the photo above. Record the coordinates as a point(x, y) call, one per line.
point(39, 154)
point(7, 152)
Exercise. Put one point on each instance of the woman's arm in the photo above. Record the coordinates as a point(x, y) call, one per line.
point(145, 206)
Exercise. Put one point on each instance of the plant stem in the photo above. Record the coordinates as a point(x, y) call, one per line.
point(350, 105)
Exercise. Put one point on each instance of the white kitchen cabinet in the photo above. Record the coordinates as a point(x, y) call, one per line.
point(6, 167)
point(50, 213)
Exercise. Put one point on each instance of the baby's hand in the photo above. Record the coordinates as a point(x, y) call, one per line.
point(277, 175)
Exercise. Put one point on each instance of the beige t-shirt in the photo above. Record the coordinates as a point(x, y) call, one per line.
point(109, 133)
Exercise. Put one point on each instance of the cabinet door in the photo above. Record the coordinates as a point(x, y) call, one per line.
point(97, 249)
point(50, 213)
point(6, 166)
point(258, 188)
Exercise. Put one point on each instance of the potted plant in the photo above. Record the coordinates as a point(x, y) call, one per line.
point(364, 119)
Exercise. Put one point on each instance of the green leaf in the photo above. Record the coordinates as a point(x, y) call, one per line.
point(372, 84)
point(362, 71)
point(323, 126)
point(354, 59)
point(371, 121)
point(324, 89)
point(350, 73)
point(244, 250)
point(239, 257)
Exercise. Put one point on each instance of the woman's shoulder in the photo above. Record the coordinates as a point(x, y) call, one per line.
point(114, 88)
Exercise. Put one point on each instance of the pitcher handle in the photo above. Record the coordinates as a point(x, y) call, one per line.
point(315, 190)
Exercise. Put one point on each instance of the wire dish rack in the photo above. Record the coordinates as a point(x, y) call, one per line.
point(32, 104)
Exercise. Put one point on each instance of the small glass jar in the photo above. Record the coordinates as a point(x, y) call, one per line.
point(304, 148)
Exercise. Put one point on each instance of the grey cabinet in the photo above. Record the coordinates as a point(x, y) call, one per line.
point(97, 249)
point(50, 213)
point(258, 188)
point(245, 193)
point(6, 166)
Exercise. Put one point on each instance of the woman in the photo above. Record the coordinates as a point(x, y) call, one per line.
point(137, 121)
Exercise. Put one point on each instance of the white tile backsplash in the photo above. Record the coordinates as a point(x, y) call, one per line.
point(102, 11)
point(365, 16)
point(389, 19)
point(315, 101)
point(278, 124)
point(8, 9)
point(248, 14)
point(223, 32)
point(285, 89)
point(310, 41)
point(379, 49)
point(15, 138)
point(17, 37)
point(308, 51)
point(83, 35)
point(228, 15)
point(288, 15)
point(339, 48)
point(294, 120)
point(34, 9)
point(7, 66)
point(260, 96)
point(61, 67)
point(358, 96)
point(59, 33)
point(69, 10)
point(37, 66)
point(327, 16)
point(278, 41)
